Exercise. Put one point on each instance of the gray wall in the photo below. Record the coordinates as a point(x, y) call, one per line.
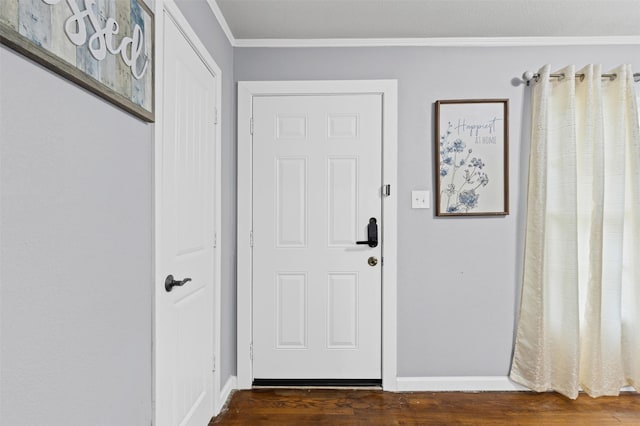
point(458, 278)
point(75, 254)
point(206, 26)
point(76, 225)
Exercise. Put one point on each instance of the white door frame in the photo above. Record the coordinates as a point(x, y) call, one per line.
point(171, 10)
point(389, 91)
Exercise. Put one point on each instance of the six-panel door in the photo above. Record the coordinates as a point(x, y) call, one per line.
point(316, 182)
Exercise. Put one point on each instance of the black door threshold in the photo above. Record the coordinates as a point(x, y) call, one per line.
point(318, 382)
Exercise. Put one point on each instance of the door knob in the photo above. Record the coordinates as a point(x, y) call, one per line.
point(170, 283)
point(373, 261)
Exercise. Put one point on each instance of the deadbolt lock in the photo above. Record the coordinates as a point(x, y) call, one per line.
point(373, 261)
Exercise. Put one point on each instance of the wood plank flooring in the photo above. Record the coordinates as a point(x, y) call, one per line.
point(374, 407)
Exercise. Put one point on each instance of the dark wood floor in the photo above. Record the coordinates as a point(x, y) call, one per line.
point(372, 407)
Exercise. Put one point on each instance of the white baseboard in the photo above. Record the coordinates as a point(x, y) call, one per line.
point(230, 385)
point(425, 384)
point(458, 384)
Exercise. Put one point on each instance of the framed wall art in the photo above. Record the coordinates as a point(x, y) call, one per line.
point(105, 46)
point(471, 156)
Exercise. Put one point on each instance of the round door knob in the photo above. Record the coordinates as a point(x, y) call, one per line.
point(373, 261)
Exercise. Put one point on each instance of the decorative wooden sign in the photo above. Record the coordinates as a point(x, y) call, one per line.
point(105, 46)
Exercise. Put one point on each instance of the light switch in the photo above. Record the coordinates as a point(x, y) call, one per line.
point(420, 200)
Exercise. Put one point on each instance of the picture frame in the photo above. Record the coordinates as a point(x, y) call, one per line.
point(104, 46)
point(472, 157)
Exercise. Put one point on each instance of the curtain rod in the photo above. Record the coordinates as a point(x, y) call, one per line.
point(528, 76)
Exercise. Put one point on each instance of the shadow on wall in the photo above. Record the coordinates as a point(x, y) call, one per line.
point(523, 171)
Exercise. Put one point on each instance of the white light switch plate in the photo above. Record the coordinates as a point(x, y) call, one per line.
point(420, 200)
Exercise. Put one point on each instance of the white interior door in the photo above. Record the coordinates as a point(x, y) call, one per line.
point(185, 313)
point(316, 185)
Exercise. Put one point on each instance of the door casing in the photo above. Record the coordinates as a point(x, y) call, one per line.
point(246, 92)
point(162, 7)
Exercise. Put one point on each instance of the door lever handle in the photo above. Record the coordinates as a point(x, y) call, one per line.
point(170, 283)
point(372, 234)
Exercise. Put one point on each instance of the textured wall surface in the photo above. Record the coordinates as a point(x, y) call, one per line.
point(75, 265)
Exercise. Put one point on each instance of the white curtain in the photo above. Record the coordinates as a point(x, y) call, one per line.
point(579, 322)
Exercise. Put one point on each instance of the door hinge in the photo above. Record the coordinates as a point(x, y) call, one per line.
point(215, 240)
point(251, 125)
point(214, 364)
point(215, 116)
point(386, 190)
point(251, 351)
point(251, 238)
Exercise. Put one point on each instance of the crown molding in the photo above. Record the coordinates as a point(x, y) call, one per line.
point(223, 22)
point(441, 42)
point(420, 42)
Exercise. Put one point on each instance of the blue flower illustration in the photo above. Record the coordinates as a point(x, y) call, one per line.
point(458, 145)
point(476, 162)
point(483, 179)
point(469, 199)
point(461, 176)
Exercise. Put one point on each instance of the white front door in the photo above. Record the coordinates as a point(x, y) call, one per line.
point(316, 186)
point(185, 311)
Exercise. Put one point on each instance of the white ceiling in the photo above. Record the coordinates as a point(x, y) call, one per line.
point(432, 19)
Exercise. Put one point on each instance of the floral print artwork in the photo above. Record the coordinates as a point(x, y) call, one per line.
point(461, 174)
